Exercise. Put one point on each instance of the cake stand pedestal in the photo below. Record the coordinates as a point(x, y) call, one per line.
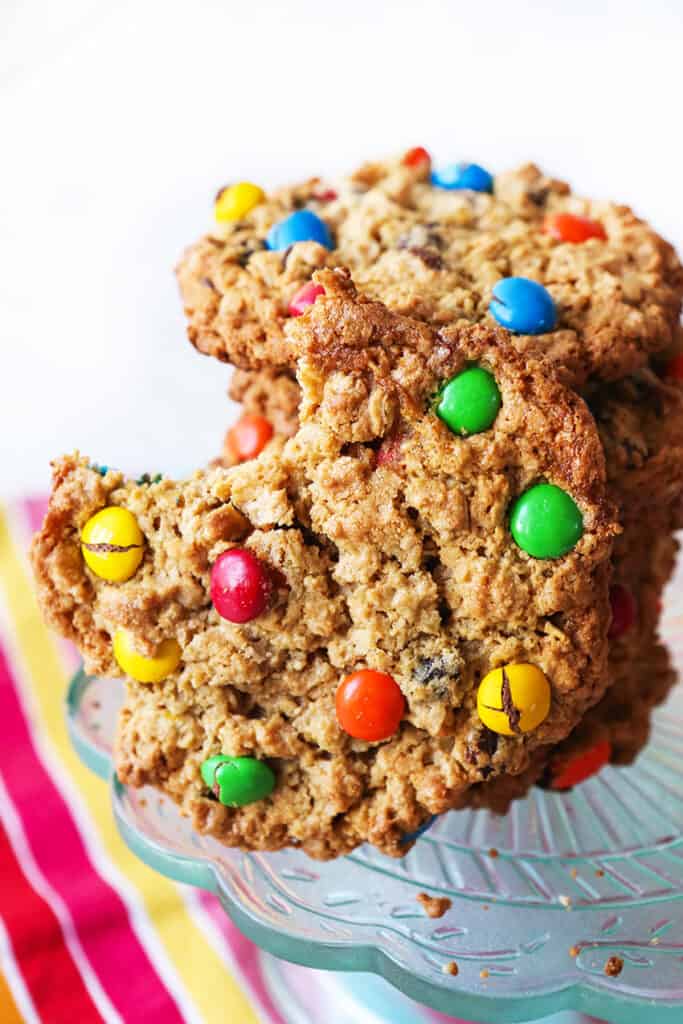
point(598, 872)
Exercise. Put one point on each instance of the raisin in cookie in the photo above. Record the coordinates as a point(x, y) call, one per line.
point(436, 254)
point(279, 622)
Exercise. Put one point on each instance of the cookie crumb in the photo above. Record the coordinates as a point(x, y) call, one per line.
point(450, 968)
point(614, 967)
point(599, 873)
point(566, 902)
point(574, 873)
point(485, 907)
point(434, 906)
point(484, 974)
point(574, 951)
point(493, 852)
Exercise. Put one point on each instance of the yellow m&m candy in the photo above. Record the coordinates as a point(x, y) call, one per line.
point(140, 668)
point(235, 201)
point(112, 544)
point(513, 699)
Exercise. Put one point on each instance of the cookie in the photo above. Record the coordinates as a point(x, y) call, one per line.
point(437, 254)
point(616, 730)
point(639, 670)
point(389, 642)
point(640, 420)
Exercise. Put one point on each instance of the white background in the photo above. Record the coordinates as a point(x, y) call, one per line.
point(118, 121)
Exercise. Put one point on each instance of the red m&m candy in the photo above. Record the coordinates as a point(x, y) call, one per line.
point(416, 156)
point(674, 368)
point(568, 227)
point(240, 585)
point(305, 297)
point(369, 705)
point(624, 610)
point(389, 452)
point(248, 437)
point(583, 766)
point(327, 195)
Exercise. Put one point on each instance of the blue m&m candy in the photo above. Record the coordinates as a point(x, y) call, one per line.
point(523, 306)
point(410, 837)
point(300, 226)
point(470, 176)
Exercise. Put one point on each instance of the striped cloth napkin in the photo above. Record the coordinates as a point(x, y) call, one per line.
point(87, 931)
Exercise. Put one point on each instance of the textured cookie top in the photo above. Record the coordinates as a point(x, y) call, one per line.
point(388, 544)
point(640, 421)
point(436, 255)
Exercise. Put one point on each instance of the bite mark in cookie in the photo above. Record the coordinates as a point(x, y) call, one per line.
point(407, 570)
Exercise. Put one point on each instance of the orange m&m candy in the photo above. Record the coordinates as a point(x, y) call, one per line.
point(568, 227)
point(583, 766)
point(416, 156)
point(369, 705)
point(248, 437)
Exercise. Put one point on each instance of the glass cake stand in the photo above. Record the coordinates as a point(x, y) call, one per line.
point(598, 871)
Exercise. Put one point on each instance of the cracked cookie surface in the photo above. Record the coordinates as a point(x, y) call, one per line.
point(435, 255)
point(404, 566)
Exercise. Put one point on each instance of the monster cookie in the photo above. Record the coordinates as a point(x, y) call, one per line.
point(585, 283)
point(614, 731)
point(307, 634)
point(639, 674)
point(640, 420)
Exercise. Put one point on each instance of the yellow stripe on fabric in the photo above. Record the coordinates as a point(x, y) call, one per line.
point(9, 1014)
point(211, 988)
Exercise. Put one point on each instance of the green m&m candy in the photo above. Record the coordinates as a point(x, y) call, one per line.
point(237, 781)
point(545, 522)
point(469, 402)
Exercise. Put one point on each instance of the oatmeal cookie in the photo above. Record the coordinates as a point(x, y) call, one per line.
point(390, 640)
point(436, 254)
point(640, 676)
point(614, 731)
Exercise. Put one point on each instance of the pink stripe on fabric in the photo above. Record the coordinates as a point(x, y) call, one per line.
point(32, 514)
point(245, 955)
point(441, 1019)
point(34, 510)
point(99, 915)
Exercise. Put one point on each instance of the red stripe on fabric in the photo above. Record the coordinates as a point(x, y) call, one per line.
point(244, 954)
point(99, 915)
point(56, 987)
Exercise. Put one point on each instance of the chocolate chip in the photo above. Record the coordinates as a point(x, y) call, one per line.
point(208, 283)
point(285, 255)
point(488, 741)
point(429, 257)
point(420, 237)
point(538, 196)
point(444, 666)
point(248, 247)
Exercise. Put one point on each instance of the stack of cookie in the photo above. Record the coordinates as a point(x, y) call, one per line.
point(427, 570)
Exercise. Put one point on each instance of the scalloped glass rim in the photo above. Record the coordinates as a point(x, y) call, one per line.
point(635, 909)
